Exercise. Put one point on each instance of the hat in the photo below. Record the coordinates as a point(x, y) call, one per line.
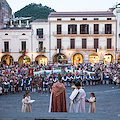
point(74, 87)
point(77, 84)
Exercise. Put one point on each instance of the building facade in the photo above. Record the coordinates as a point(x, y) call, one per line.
point(5, 13)
point(83, 36)
point(76, 36)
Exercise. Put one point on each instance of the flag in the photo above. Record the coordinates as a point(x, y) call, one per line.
point(58, 50)
point(23, 53)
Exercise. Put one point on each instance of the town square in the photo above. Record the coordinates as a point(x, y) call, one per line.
point(59, 61)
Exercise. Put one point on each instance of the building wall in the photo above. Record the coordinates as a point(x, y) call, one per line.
point(65, 38)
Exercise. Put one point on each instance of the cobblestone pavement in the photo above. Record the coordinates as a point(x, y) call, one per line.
point(108, 102)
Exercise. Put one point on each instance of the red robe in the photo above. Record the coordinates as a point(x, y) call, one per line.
point(58, 98)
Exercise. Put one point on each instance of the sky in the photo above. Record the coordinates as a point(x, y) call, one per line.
point(67, 5)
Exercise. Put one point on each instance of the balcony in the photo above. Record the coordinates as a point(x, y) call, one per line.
point(80, 48)
point(6, 51)
point(77, 34)
point(109, 48)
point(42, 37)
point(90, 48)
point(21, 51)
point(40, 50)
point(59, 48)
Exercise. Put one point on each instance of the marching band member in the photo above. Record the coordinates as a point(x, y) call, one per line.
point(73, 79)
point(39, 85)
point(6, 87)
point(50, 83)
point(64, 78)
point(13, 85)
point(87, 79)
point(20, 85)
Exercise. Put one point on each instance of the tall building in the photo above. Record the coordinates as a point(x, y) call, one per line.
point(5, 13)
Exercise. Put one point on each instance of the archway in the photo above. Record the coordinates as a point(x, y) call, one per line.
point(24, 60)
point(94, 58)
point(118, 59)
point(57, 57)
point(108, 58)
point(77, 58)
point(41, 59)
point(7, 59)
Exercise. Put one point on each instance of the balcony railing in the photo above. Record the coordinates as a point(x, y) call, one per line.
point(40, 50)
point(6, 51)
point(107, 47)
point(84, 33)
point(59, 48)
point(21, 51)
point(90, 48)
point(40, 37)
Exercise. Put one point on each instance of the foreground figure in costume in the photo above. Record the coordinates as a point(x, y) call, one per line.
point(78, 103)
point(58, 98)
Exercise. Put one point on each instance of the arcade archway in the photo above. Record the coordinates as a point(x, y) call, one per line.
point(108, 58)
point(41, 59)
point(24, 60)
point(57, 57)
point(7, 59)
point(118, 59)
point(94, 58)
point(77, 58)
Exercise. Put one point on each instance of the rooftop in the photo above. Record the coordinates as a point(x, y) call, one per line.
point(83, 14)
point(41, 20)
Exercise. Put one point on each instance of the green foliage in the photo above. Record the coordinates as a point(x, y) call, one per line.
point(36, 11)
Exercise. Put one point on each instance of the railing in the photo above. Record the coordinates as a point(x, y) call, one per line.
point(6, 51)
point(107, 47)
point(20, 51)
point(84, 33)
point(40, 37)
point(89, 47)
point(59, 48)
point(40, 50)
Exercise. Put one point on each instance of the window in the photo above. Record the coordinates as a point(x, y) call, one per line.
point(72, 19)
point(59, 19)
point(109, 19)
point(6, 33)
point(6, 46)
point(72, 43)
point(83, 43)
point(24, 46)
point(7, 7)
point(96, 28)
point(23, 34)
point(84, 18)
point(59, 28)
point(109, 42)
point(72, 29)
point(3, 5)
point(40, 46)
point(95, 43)
point(84, 29)
point(40, 33)
point(58, 43)
point(96, 18)
point(108, 28)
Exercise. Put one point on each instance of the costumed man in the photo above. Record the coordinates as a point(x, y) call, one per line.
point(73, 79)
point(64, 78)
point(78, 103)
point(20, 85)
point(58, 98)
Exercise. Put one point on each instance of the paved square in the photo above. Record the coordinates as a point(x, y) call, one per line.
point(108, 101)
